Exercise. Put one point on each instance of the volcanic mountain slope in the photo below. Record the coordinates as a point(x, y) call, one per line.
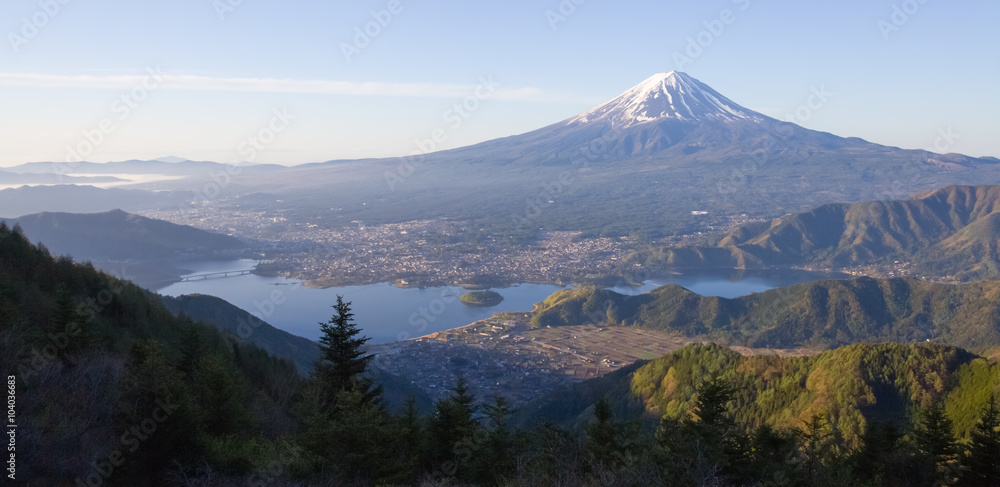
point(820, 314)
point(640, 162)
point(670, 115)
point(954, 232)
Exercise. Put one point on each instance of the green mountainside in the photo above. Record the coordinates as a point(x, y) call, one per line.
point(951, 232)
point(114, 389)
point(851, 386)
point(819, 314)
point(244, 326)
point(93, 356)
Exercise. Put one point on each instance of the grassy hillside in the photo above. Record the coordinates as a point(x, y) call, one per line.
point(951, 232)
point(820, 314)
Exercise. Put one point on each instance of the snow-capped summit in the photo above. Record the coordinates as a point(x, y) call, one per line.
point(672, 95)
point(669, 115)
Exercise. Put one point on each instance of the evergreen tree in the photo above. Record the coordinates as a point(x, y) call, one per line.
point(713, 399)
point(152, 392)
point(410, 432)
point(723, 444)
point(359, 440)
point(70, 324)
point(983, 459)
point(410, 426)
point(452, 428)
point(773, 460)
point(935, 439)
point(498, 461)
point(602, 436)
point(815, 444)
point(707, 448)
point(342, 359)
point(884, 458)
point(222, 395)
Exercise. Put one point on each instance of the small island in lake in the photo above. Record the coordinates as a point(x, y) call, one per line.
point(481, 298)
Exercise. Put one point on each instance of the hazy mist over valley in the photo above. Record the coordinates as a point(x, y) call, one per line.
point(563, 244)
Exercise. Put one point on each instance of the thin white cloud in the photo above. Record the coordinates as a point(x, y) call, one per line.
point(265, 85)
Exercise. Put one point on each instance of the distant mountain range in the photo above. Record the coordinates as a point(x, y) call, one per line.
point(821, 314)
point(639, 163)
point(951, 232)
point(12, 178)
point(120, 236)
point(167, 166)
point(25, 200)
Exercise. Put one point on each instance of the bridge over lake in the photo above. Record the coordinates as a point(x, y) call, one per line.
point(216, 275)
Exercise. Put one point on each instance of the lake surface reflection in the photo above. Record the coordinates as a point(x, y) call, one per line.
point(388, 313)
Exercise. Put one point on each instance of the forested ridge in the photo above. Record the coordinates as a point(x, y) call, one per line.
point(822, 314)
point(114, 389)
point(949, 232)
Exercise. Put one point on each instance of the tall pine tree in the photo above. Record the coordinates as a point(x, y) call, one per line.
point(451, 430)
point(983, 459)
point(935, 439)
point(342, 359)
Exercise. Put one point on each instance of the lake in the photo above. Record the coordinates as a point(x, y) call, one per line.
point(387, 313)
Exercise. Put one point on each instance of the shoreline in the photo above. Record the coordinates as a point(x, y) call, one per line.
point(599, 280)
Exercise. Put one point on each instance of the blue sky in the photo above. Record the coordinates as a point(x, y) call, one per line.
point(227, 65)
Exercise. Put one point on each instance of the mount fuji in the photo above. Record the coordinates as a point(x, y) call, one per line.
point(664, 96)
point(650, 160)
point(641, 162)
point(669, 115)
